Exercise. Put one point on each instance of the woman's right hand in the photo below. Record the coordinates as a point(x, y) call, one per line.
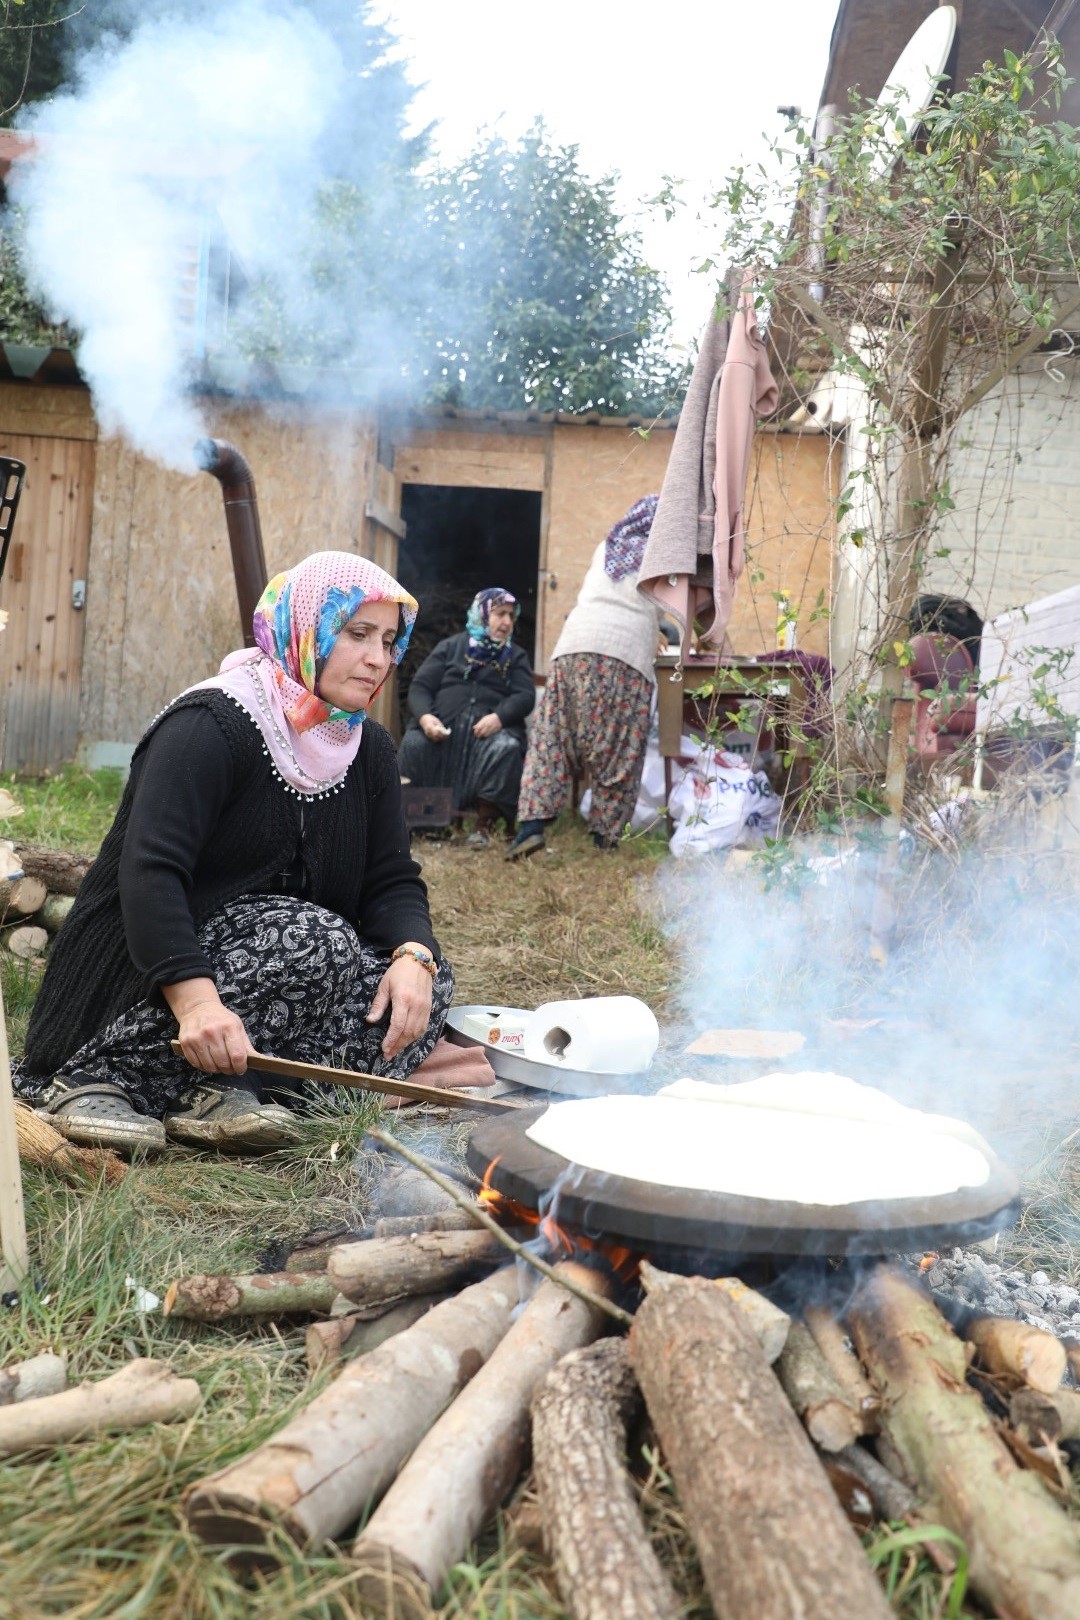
point(211, 1037)
point(433, 728)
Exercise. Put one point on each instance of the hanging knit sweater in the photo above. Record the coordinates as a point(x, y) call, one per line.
point(611, 617)
point(203, 820)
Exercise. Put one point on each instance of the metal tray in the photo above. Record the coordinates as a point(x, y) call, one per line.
point(518, 1070)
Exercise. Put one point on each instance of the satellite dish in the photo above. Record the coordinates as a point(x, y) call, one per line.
point(909, 90)
point(912, 85)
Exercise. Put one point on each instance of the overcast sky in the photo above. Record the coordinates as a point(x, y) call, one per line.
point(683, 88)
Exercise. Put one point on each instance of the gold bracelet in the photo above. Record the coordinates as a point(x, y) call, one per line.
point(426, 962)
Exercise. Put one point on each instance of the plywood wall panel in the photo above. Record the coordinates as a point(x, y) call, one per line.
point(790, 529)
point(597, 473)
point(54, 413)
point(473, 460)
point(40, 652)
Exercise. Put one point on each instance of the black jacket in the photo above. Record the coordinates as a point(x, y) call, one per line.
point(439, 687)
point(203, 820)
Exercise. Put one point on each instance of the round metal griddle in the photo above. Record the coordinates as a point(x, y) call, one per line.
point(648, 1216)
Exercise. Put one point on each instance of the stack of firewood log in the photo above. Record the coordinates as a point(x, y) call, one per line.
point(785, 1437)
point(37, 890)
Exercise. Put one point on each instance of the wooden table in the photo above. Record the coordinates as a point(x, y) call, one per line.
point(728, 685)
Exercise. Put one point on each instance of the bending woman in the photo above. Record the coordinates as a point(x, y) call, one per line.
point(468, 702)
point(255, 891)
point(595, 712)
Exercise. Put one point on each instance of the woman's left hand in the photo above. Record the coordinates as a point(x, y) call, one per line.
point(405, 988)
point(487, 726)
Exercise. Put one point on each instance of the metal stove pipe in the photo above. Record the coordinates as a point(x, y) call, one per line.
point(224, 462)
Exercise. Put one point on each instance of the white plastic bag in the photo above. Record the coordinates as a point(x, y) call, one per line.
point(721, 802)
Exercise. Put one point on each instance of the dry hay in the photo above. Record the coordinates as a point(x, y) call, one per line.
point(568, 921)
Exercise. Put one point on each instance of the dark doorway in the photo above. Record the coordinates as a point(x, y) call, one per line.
point(458, 541)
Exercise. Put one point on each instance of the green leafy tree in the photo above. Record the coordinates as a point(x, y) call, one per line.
point(33, 35)
point(919, 268)
point(545, 300)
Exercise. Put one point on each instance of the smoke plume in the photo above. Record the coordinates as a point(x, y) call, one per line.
point(188, 127)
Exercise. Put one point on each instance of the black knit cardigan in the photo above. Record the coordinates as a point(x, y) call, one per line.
point(204, 819)
point(445, 686)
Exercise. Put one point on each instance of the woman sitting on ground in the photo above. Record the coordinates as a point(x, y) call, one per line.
point(468, 703)
point(255, 891)
point(595, 713)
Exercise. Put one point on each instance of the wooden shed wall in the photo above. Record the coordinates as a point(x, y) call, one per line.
point(52, 431)
point(790, 528)
point(161, 607)
point(597, 473)
point(469, 458)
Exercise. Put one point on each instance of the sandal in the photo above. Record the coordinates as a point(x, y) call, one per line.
point(97, 1114)
point(225, 1116)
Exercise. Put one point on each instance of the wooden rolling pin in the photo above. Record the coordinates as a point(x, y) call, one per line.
point(293, 1069)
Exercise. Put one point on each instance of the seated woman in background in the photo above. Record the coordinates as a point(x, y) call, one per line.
point(468, 703)
point(255, 891)
point(595, 712)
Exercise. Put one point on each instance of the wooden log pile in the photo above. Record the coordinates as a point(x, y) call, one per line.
point(785, 1438)
point(37, 890)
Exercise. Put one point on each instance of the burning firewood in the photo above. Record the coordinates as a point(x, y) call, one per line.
point(315, 1256)
point(773, 1540)
point(1072, 1352)
point(344, 1338)
point(446, 1220)
point(274, 1293)
point(467, 1464)
point(842, 1362)
point(1042, 1417)
point(595, 1535)
point(768, 1323)
point(1018, 1350)
point(1025, 1557)
point(142, 1392)
point(422, 1263)
point(814, 1393)
point(891, 1497)
point(318, 1473)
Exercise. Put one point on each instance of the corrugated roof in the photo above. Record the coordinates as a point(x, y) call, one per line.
point(261, 380)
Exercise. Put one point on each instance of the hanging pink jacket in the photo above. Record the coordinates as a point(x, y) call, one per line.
point(696, 547)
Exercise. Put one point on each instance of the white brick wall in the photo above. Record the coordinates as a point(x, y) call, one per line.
point(1015, 477)
point(1015, 533)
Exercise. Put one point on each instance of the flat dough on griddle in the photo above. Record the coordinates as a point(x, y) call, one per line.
point(829, 1141)
point(746, 1043)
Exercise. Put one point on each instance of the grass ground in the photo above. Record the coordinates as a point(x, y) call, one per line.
point(93, 1530)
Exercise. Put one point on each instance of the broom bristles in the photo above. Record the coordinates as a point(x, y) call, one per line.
point(41, 1144)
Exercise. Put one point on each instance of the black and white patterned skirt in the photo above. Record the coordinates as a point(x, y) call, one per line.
point(301, 980)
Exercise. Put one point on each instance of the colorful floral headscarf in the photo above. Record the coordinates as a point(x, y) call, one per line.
point(297, 620)
point(483, 649)
point(625, 545)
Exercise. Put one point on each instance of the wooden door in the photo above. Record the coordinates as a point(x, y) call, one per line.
point(44, 592)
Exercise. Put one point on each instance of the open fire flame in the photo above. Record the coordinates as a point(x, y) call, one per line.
point(562, 1244)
